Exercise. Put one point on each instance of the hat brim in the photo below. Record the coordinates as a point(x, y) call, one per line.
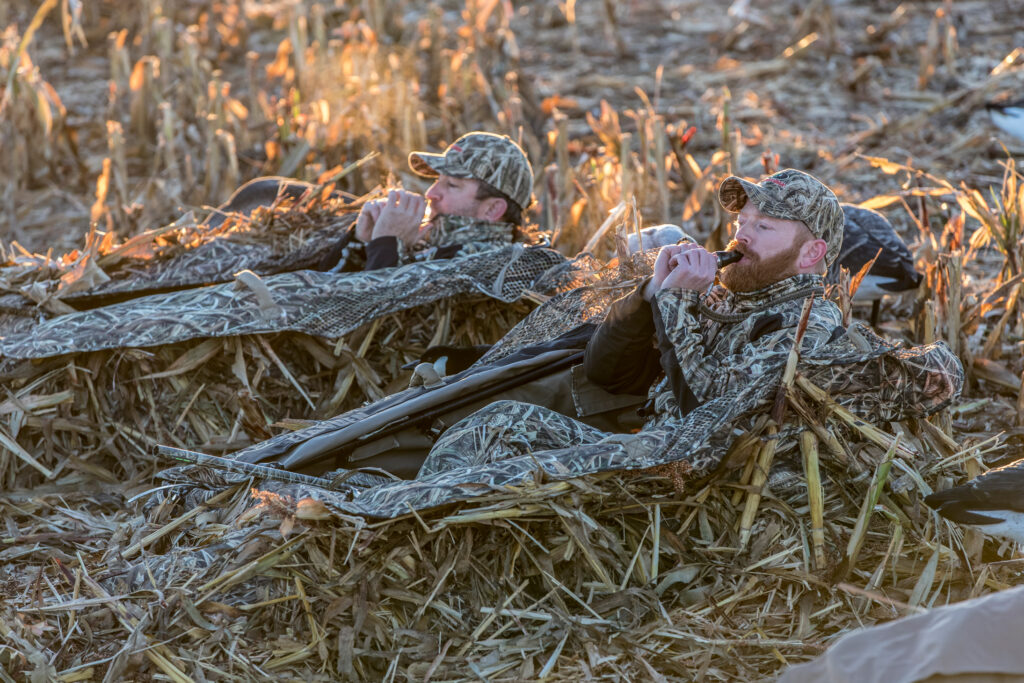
point(432, 165)
point(427, 165)
point(734, 192)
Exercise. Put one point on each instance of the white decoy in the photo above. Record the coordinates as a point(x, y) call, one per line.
point(655, 237)
point(1008, 115)
point(993, 502)
point(864, 233)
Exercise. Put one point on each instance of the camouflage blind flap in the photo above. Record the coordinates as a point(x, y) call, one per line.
point(861, 371)
point(217, 258)
point(316, 303)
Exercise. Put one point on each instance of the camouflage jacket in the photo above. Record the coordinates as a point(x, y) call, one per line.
point(450, 235)
point(705, 344)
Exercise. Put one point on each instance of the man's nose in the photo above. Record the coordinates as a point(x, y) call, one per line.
point(432, 193)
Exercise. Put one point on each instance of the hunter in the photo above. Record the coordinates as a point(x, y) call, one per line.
point(482, 188)
point(700, 337)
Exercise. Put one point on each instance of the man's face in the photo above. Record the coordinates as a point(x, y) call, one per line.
point(451, 196)
point(770, 248)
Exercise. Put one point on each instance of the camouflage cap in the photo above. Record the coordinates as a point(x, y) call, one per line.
point(494, 159)
point(791, 195)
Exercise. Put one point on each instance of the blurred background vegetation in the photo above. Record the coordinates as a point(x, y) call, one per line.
point(127, 116)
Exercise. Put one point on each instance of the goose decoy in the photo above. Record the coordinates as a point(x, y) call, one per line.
point(453, 359)
point(864, 233)
point(993, 502)
point(1008, 115)
point(262, 191)
point(655, 237)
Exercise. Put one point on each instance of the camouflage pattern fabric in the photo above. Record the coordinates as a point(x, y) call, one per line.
point(900, 383)
point(508, 430)
point(212, 479)
point(883, 383)
point(234, 548)
point(711, 335)
point(923, 379)
point(851, 368)
point(494, 159)
point(203, 256)
point(587, 303)
point(790, 195)
point(574, 303)
point(194, 486)
point(503, 430)
point(322, 304)
point(862, 372)
point(920, 371)
point(16, 314)
point(182, 255)
point(471, 234)
point(713, 355)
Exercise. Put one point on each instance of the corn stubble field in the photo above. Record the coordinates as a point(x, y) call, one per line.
point(117, 121)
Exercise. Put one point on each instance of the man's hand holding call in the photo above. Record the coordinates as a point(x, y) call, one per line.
point(400, 215)
point(683, 266)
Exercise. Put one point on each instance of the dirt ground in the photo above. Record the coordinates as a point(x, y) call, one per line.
point(817, 84)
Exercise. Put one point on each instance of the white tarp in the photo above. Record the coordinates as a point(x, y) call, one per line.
point(975, 641)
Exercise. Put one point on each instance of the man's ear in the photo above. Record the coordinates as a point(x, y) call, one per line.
point(493, 208)
point(811, 252)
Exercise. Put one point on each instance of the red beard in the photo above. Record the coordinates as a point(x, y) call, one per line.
point(756, 273)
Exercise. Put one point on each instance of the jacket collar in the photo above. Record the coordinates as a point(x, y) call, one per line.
point(462, 229)
point(745, 300)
